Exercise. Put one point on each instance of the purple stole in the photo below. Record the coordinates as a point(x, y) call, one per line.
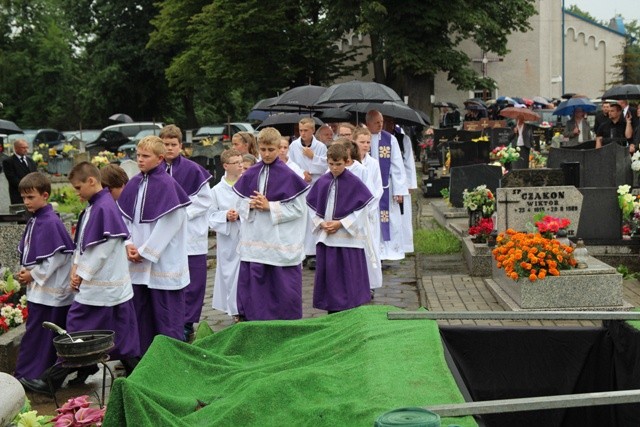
point(384, 158)
point(351, 195)
point(105, 222)
point(51, 237)
point(165, 195)
point(190, 175)
point(281, 184)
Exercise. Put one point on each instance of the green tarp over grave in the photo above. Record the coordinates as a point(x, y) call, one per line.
point(345, 369)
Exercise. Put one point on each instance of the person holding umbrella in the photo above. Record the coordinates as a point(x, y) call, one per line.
point(577, 129)
point(522, 132)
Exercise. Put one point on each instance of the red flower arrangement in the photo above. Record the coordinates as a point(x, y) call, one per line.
point(481, 230)
point(549, 225)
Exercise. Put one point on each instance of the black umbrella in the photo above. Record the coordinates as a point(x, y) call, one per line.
point(286, 119)
point(301, 97)
point(332, 115)
point(268, 104)
point(8, 127)
point(400, 112)
point(358, 91)
point(623, 92)
point(264, 104)
point(121, 117)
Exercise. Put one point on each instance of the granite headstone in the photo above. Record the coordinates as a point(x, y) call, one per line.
point(499, 136)
point(600, 219)
point(468, 153)
point(469, 177)
point(542, 177)
point(516, 207)
point(609, 166)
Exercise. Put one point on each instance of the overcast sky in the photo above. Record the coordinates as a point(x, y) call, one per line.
point(604, 10)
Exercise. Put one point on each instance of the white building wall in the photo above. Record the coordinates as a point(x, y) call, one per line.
point(534, 64)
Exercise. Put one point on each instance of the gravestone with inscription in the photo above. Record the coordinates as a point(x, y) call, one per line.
point(516, 207)
point(609, 166)
point(533, 178)
point(470, 177)
point(499, 136)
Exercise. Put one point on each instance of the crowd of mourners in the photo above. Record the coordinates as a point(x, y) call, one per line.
point(336, 200)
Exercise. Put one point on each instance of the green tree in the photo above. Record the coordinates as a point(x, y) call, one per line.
point(119, 74)
point(233, 53)
point(628, 63)
point(38, 68)
point(413, 40)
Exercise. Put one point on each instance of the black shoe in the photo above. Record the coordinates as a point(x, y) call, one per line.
point(83, 374)
point(311, 264)
point(36, 386)
point(189, 333)
point(373, 293)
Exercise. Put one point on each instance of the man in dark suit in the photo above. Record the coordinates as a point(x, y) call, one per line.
point(17, 167)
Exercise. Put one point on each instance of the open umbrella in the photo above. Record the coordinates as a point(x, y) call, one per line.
point(264, 104)
point(515, 112)
point(623, 92)
point(566, 108)
point(334, 114)
point(301, 97)
point(8, 127)
point(400, 112)
point(286, 119)
point(442, 104)
point(358, 91)
point(121, 117)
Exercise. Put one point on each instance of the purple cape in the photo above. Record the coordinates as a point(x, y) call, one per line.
point(162, 195)
point(105, 221)
point(351, 195)
point(282, 184)
point(190, 175)
point(46, 235)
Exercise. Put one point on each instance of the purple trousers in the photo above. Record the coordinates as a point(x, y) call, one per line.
point(119, 318)
point(159, 312)
point(341, 280)
point(37, 352)
point(267, 292)
point(194, 292)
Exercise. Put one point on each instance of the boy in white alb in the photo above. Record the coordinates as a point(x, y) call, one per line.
point(225, 221)
point(311, 155)
point(154, 209)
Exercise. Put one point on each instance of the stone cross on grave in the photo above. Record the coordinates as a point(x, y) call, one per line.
point(484, 62)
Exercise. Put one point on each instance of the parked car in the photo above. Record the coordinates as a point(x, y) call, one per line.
point(51, 137)
point(223, 132)
point(129, 149)
point(112, 137)
point(85, 135)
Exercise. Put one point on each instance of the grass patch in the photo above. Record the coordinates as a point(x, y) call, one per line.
point(67, 201)
point(435, 241)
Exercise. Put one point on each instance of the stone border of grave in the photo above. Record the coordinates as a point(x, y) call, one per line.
point(9, 346)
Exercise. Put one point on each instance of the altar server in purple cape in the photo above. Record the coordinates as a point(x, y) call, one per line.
point(273, 212)
point(154, 209)
point(100, 271)
point(194, 180)
point(385, 148)
point(45, 257)
point(100, 279)
point(338, 206)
